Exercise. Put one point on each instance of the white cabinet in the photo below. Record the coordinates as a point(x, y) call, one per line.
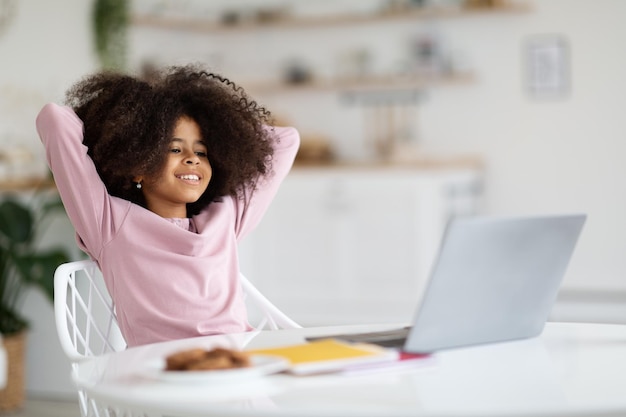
point(354, 245)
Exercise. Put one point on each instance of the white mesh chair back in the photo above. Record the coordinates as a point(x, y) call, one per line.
point(84, 312)
point(87, 325)
point(271, 317)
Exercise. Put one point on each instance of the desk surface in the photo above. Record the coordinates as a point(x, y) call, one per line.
point(571, 369)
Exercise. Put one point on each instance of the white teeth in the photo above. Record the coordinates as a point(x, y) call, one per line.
point(189, 177)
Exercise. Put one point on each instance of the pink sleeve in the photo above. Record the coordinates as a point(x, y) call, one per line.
point(250, 214)
point(84, 196)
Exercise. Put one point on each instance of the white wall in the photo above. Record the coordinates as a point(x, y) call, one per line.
point(555, 155)
point(541, 155)
point(46, 48)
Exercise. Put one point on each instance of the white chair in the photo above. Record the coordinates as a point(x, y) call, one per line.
point(87, 326)
point(269, 315)
point(84, 312)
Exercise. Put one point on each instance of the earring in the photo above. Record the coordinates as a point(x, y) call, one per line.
point(138, 185)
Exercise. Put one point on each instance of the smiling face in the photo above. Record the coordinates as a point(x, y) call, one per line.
point(185, 175)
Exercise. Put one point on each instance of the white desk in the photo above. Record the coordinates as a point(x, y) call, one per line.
point(572, 369)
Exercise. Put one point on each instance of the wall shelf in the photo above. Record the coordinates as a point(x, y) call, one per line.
point(193, 24)
point(26, 184)
point(381, 84)
point(388, 90)
point(363, 84)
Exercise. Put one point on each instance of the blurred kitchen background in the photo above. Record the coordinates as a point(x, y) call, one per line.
point(410, 112)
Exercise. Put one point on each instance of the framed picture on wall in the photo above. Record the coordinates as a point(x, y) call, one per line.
point(547, 65)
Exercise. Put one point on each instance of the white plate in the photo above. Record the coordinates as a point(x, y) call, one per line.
point(260, 365)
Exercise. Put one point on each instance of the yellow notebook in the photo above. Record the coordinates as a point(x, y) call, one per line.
point(328, 355)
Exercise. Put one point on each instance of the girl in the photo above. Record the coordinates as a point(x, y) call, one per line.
point(161, 179)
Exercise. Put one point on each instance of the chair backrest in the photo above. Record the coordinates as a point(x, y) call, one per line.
point(270, 316)
point(85, 314)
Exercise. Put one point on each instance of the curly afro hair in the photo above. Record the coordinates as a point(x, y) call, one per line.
point(129, 122)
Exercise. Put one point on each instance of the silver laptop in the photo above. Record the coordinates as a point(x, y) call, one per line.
point(495, 279)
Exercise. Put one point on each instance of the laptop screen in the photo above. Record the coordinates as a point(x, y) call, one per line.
point(494, 279)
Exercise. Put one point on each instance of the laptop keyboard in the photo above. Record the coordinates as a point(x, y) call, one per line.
point(388, 338)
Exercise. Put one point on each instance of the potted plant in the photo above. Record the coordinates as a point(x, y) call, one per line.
point(23, 265)
point(110, 25)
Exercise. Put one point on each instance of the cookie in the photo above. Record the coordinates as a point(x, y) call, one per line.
point(201, 359)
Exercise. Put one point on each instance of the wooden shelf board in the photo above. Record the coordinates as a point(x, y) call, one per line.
point(386, 83)
point(26, 184)
point(418, 163)
point(193, 24)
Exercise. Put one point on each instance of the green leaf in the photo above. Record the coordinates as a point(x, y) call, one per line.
point(110, 23)
point(38, 268)
point(16, 221)
point(22, 264)
point(52, 206)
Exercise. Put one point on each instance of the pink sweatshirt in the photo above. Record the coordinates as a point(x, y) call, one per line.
point(167, 282)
